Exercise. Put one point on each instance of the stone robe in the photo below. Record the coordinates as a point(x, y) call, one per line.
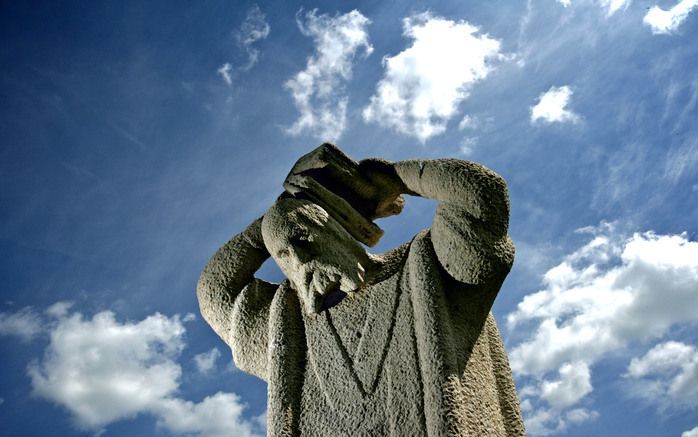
point(416, 354)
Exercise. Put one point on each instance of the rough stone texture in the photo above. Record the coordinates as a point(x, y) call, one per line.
point(415, 351)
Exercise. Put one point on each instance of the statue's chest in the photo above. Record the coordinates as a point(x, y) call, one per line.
point(350, 341)
point(362, 361)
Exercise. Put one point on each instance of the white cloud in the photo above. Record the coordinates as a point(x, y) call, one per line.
point(467, 145)
point(424, 84)
point(59, 309)
point(667, 375)
point(224, 71)
point(542, 421)
point(612, 6)
point(318, 91)
point(219, 415)
point(691, 433)
point(608, 293)
point(206, 361)
point(467, 122)
point(615, 5)
point(103, 371)
point(574, 384)
point(551, 106)
point(665, 22)
point(24, 324)
point(253, 29)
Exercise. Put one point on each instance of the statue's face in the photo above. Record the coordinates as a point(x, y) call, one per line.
point(314, 251)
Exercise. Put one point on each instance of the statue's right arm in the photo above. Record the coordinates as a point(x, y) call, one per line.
point(234, 302)
point(469, 231)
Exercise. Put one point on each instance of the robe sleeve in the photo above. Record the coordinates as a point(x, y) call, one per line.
point(469, 231)
point(235, 303)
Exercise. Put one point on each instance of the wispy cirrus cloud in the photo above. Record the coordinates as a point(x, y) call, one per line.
point(602, 297)
point(423, 85)
point(253, 29)
point(318, 91)
point(668, 21)
point(552, 106)
point(612, 6)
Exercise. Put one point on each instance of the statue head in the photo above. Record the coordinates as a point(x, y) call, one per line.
point(314, 251)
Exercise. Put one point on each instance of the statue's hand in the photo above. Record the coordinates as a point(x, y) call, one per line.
point(386, 186)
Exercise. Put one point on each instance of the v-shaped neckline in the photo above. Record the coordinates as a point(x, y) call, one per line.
point(345, 379)
point(366, 363)
point(348, 384)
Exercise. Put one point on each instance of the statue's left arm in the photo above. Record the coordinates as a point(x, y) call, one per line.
point(234, 302)
point(469, 231)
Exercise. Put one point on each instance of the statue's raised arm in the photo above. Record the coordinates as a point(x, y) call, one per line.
point(469, 231)
point(231, 297)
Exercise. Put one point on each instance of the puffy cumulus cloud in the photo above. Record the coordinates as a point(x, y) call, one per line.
point(691, 433)
point(24, 324)
point(102, 371)
point(318, 91)
point(424, 84)
point(552, 106)
point(542, 422)
point(206, 361)
point(219, 415)
point(253, 29)
point(574, 384)
point(608, 293)
point(547, 404)
point(663, 22)
point(667, 374)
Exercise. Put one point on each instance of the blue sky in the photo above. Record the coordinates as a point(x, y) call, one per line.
point(135, 139)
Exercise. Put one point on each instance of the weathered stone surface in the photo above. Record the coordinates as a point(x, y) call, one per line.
point(412, 349)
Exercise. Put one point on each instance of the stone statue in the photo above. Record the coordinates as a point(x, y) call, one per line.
point(357, 344)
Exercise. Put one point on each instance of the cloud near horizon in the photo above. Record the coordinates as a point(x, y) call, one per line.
point(105, 371)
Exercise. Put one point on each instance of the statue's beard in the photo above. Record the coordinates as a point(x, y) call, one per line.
point(323, 290)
